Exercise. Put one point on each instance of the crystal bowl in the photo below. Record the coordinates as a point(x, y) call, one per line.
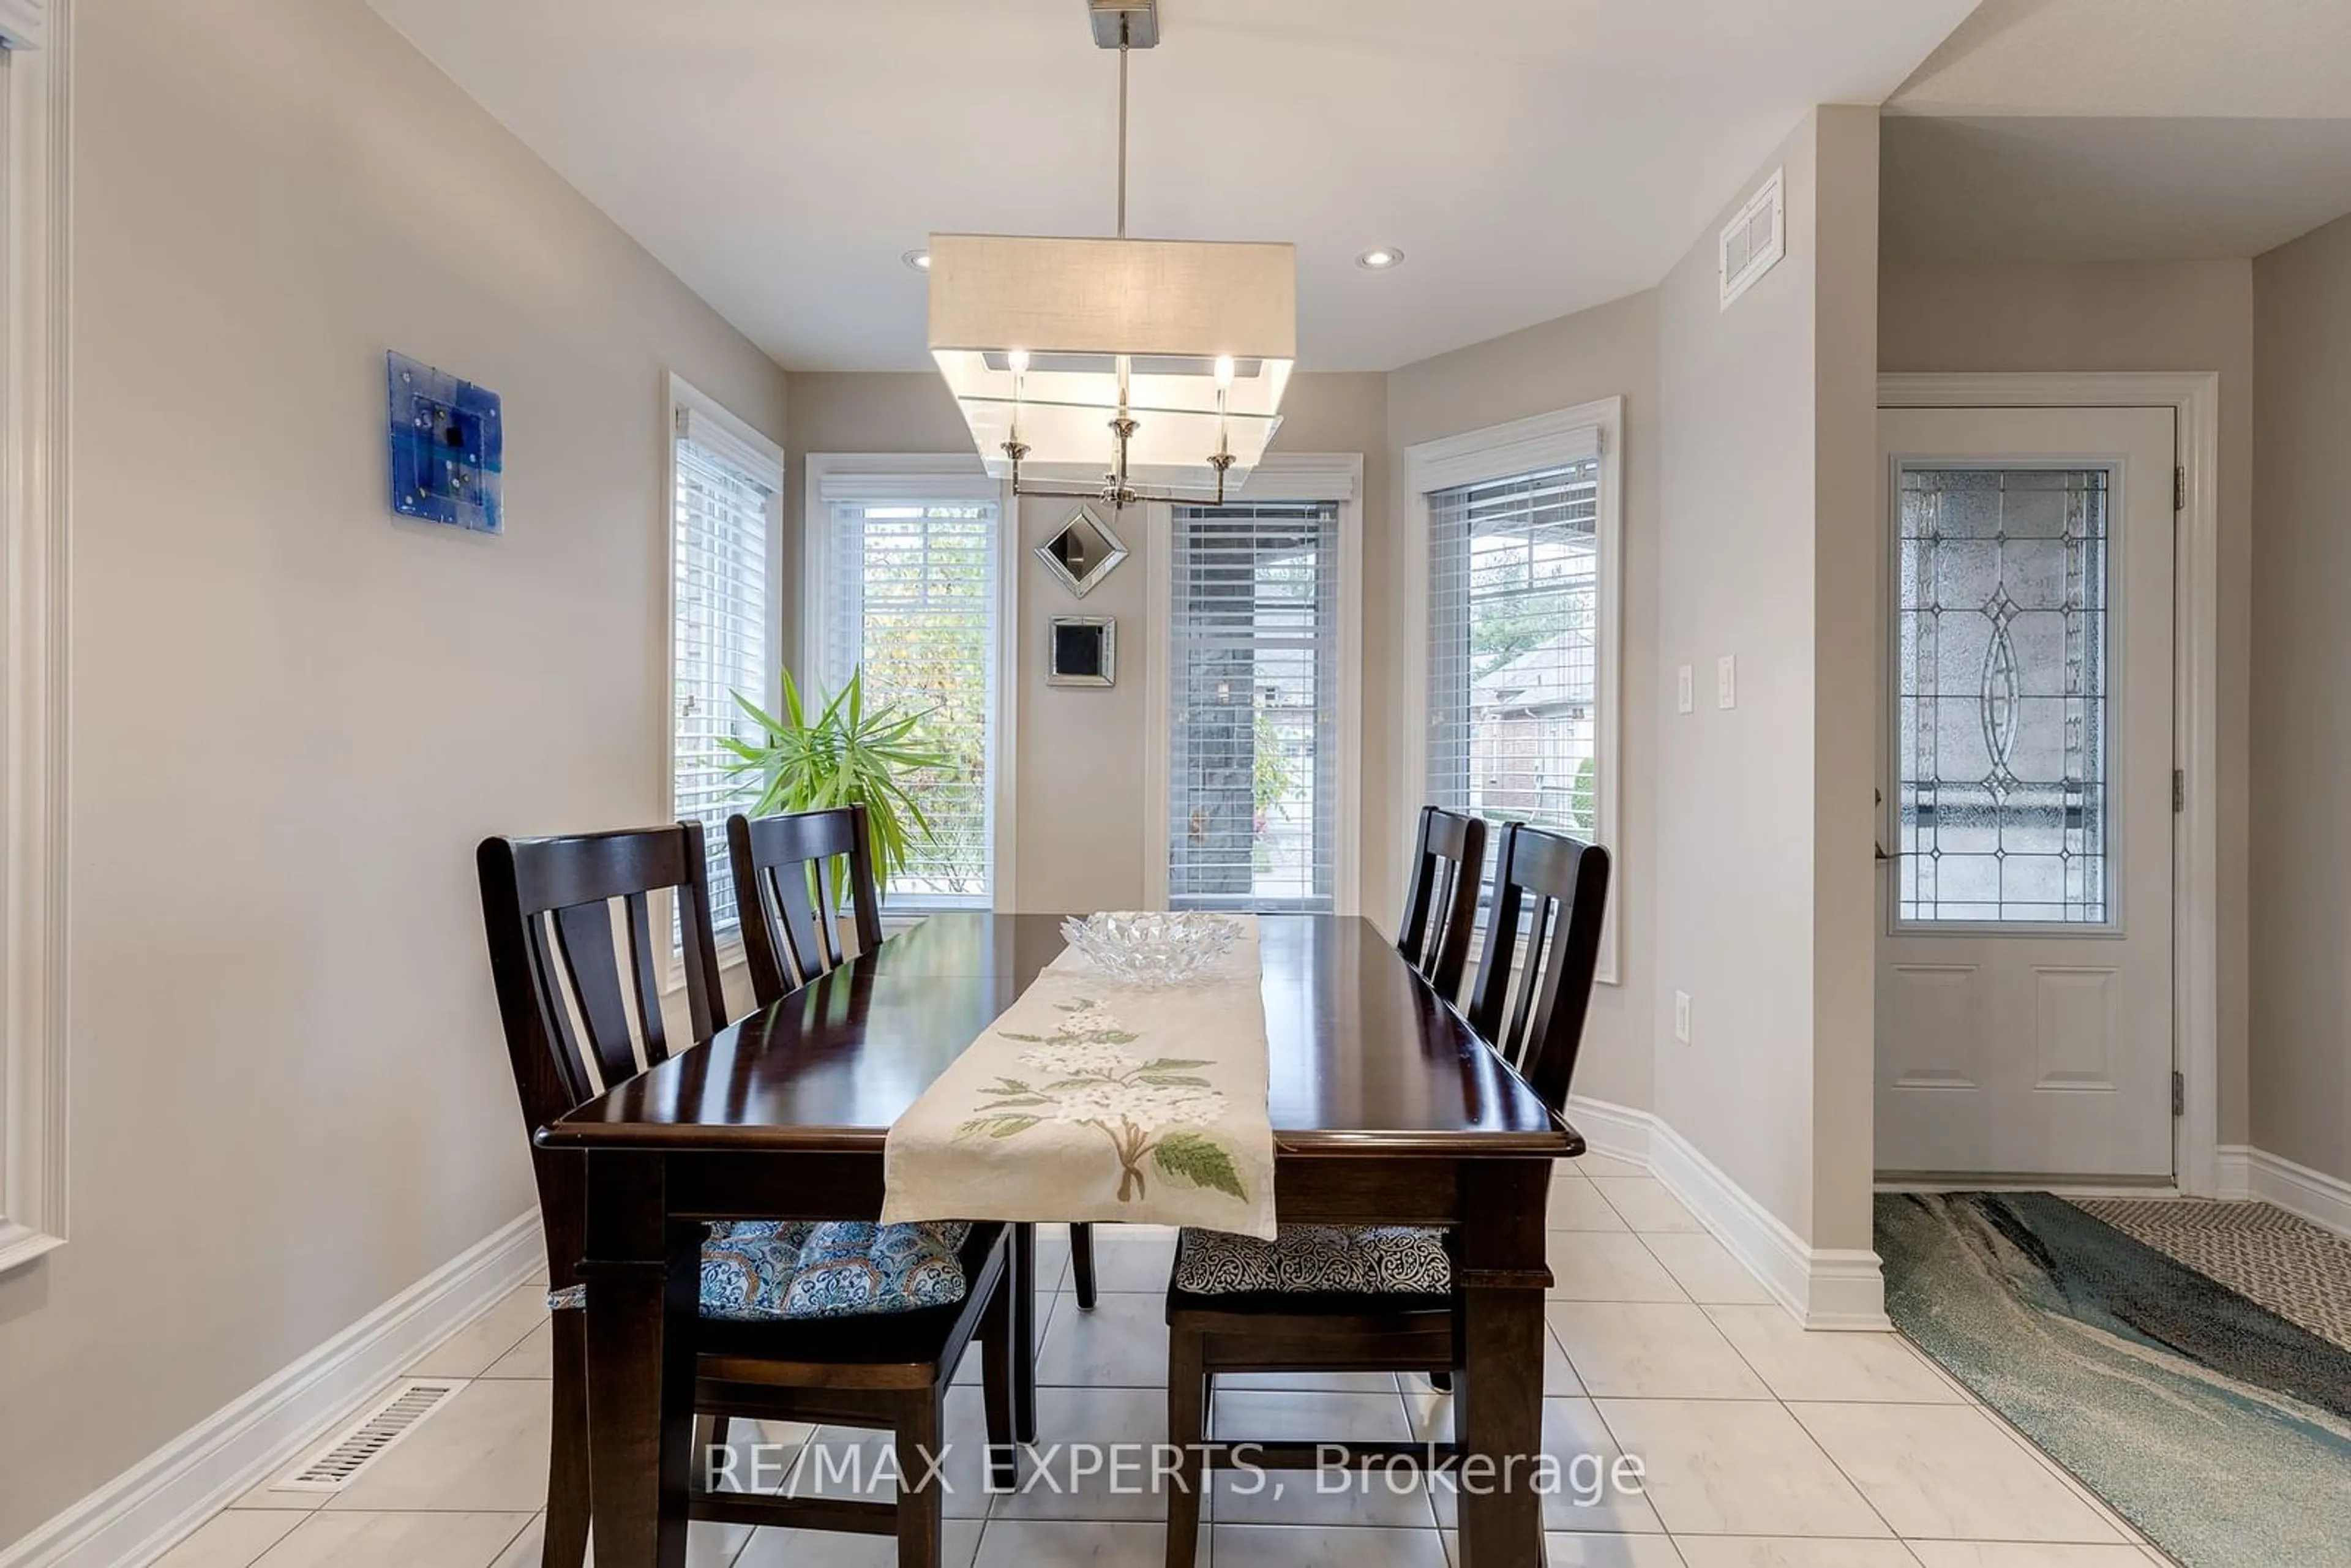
point(1152, 949)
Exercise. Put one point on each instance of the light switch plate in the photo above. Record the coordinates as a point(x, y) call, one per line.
point(1684, 690)
point(1725, 682)
point(1681, 1016)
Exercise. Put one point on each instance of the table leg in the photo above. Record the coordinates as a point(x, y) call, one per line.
point(642, 1286)
point(1024, 1333)
point(1498, 1399)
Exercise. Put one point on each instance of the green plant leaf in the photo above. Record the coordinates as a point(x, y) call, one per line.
point(1174, 1081)
point(1174, 1063)
point(759, 717)
point(1201, 1161)
point(852, 753)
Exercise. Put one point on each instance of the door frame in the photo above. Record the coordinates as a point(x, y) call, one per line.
point(2194, 399)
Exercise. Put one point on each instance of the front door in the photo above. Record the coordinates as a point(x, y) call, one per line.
point(2024, 959)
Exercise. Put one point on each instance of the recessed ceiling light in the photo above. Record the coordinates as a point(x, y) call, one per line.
point(1379, 259)
point(919, 259)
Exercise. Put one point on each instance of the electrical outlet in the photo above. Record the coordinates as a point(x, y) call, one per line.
point(1725, 682)
point(1684, 690)
point(1681, 1016)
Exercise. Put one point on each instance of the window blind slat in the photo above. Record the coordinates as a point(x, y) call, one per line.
point(911, 600)
point(1253, 749)
point(721, 613)
point(1513, 668)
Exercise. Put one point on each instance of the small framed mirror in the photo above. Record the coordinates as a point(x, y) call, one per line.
point(1082, 552)
point(1084, 652)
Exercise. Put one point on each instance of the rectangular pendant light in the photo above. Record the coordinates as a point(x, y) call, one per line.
point(1040, 330)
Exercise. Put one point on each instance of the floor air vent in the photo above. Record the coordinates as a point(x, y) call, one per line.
point(339, 1461)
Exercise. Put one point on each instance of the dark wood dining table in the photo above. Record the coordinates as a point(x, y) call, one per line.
point(1386, 1109)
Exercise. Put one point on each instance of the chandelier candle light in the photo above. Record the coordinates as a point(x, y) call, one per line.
point(1166, 358)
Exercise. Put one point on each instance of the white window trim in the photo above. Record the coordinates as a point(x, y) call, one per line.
point(919, 475)
point(1498, 452)
point(755, 451)
point(1280, 476)
point(34, 563)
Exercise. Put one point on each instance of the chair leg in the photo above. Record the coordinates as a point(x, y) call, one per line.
point(1024, 1333)
point(997, 1365)
point(922, 1503)
point(1081, 1262)
point(566, 1542)
point(1187, 1387)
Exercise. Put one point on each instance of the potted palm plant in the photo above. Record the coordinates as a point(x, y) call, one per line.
point(848, 753)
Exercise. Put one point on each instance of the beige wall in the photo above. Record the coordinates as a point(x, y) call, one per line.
point(1082, 833)
point(1608, 351)
point(1764, 809)
point(2131, 316)
point(293, 716)
point(1847, 659)
point(2301, 1063)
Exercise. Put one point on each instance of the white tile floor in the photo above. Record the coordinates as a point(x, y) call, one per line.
point(1763, 1446)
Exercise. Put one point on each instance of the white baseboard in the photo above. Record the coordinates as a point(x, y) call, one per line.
point(1617, 1131)
point(2322, 1199)
point(1823, 1288)
point(138, 1515)
point(2232, 1172)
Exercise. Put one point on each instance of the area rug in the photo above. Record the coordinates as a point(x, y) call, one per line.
point(2220, 1429)
point(2258, 1250)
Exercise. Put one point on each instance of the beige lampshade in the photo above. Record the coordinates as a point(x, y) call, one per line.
point(1077, 307)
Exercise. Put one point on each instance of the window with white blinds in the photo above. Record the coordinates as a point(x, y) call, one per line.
point(909, 597)
point(722, 620)
point(1253, 711)
point(1514, 632)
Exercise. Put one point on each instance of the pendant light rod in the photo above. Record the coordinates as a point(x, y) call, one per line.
point(1124, 25)
point(1122, 128)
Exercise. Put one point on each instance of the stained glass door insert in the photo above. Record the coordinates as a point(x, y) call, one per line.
point(2000, 697)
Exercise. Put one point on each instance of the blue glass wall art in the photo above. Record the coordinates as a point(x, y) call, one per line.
point(448, 447)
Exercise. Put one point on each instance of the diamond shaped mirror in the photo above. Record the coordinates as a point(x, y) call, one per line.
point(1083, 552)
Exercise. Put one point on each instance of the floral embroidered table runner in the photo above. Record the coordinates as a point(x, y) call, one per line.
point(1091, 1099)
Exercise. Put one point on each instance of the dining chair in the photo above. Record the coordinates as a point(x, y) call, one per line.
point(786, 877)
point(840, 1322)
point(1441, 906)
point(1380, 1299)
point(788, 871)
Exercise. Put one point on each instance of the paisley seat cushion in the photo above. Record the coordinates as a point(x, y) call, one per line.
point(1381, 1259)
point(761, 1270)
point(758, 1270)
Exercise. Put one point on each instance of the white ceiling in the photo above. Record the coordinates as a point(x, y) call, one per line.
point(2122, 130)
point(2282, 59)
point(1532, 157)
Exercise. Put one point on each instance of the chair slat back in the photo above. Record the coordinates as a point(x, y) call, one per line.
point(787, 874)
point(1556, 889)
point(1441, 907)
point(573, 1012)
